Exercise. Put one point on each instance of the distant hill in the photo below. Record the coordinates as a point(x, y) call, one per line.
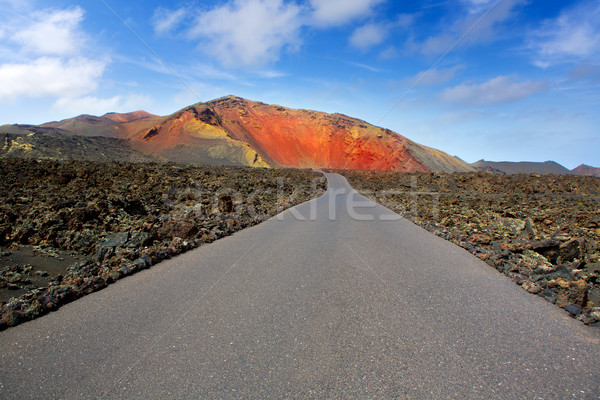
point(586, 170)
point(236, 131)
point(21, 129)
point(524, 167)
point(58, 145)
point(115, 125)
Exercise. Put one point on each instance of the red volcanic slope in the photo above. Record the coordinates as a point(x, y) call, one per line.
point(308, 139)
point(128, 117)
point(301, 138)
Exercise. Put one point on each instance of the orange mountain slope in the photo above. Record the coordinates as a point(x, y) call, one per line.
point(284, 137)
point(188, 136)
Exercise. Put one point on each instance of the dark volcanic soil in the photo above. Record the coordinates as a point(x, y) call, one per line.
point(543, 231)
point(68, 228)
point(23, 268)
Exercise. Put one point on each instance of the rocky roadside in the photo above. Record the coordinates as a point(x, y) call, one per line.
point(541, 231)
point(69, 228)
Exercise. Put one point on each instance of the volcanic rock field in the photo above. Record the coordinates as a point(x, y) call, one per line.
point(69, 228)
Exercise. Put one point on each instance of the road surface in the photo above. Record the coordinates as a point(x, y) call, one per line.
point(336, 298)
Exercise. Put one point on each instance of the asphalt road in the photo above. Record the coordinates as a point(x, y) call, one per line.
point(335, 298)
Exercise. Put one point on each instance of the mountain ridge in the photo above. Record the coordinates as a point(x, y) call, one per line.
point(525, 167)
point(234, 131)
point(231, 130)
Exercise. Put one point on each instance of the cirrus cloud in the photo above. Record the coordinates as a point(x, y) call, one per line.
point(495, 91)
point(475, 6)
point(481, 21)
point(165, 20)
point(434, 76)
point(339, 12)
point(573, 35)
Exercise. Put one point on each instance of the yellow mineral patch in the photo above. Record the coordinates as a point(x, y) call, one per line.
point(354, 132)
point(218, 151)
point(15, 145)
point(201, 130)
point(253, 159)
point(237, 151)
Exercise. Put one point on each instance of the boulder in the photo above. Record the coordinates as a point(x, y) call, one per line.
point(480, 238)
point(115, 240)
point(573, 309)
point(535, 261)
point(570, 250)
point(513, 225)
point(570, 292)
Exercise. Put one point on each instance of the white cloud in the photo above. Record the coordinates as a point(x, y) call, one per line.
point(434, 76)
point(100, 106)
point(481, 23)
point(495, 91)
point(43, 54)
point(576, 41)
point(476, 6)
point(165, 21)
point(53, 32)
point(574, 34)
point(252, 33)
point(542, 64)
point(249, 32)
point(47, 76)
point(368, 35)
point(339, 12)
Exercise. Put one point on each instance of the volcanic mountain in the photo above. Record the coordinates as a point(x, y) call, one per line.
point(521, 167)
point(586, 170)
point(110, 125)
point(236, 131)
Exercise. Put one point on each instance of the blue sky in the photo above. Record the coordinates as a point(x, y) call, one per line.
point(500, 80)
